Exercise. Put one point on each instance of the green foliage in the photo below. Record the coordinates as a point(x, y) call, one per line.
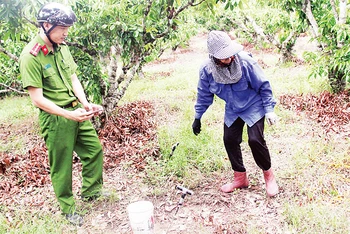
point(220, 20)
point(336, 60)
point(13, 24)
point(14, 31)
point(143, 31)
point(333, 38)
point(90, 74)
point(275, 22)
point(10, 70)
point(128, 25)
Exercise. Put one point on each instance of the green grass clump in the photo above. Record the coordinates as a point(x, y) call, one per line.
point(15, 110)
point(21, 116)
point(27, 221)
point(316, 218)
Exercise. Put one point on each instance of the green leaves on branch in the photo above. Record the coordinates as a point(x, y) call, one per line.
point(329, 27)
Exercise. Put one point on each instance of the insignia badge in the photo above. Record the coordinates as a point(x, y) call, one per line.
point(44, 50)
point(35, 50)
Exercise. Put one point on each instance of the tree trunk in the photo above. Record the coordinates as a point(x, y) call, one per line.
point(311, 19)
point(337, 79)
point(342, 19)
point(342, 11)
point(118, 84)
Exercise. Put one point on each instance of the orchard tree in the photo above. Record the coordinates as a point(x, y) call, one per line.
point(330, 27)
point(271, 25)
point(111, 41)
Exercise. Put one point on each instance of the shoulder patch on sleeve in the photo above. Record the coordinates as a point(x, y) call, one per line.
point(35, 50)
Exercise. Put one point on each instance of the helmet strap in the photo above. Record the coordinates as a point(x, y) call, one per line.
point(47, 33)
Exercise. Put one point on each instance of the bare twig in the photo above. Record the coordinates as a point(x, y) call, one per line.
point(10, 89)
point(11, 56)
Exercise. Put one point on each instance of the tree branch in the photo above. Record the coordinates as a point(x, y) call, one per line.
point(10, 89)
point(290, 37)
point(306, 8)
point(176, 14)
point(11, 56)
point(342, 11)
point(198, 3)
point(334, 10)
point(31, 22)
point(260, 31)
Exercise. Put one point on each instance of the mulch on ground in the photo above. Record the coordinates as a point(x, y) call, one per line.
point(332, 111)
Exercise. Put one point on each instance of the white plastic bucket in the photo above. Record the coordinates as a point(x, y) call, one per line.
point(141, 217)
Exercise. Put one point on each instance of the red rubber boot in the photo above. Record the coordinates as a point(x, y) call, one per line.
point(271, 184)
point(240, 181)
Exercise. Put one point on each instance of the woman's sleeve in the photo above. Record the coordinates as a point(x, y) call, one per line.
point(261, 85)
point(204, 96)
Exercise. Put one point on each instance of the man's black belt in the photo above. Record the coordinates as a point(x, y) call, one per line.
point(72, 104)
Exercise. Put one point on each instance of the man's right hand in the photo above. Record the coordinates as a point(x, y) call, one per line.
point(196, 126)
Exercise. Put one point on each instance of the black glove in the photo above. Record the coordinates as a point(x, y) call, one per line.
point(196, 126)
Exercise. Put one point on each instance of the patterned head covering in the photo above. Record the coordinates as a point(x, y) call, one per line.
point(221, 46)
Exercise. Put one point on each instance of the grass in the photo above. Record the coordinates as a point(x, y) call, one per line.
point(21, 115)
point(313, 171)
point(316, 218)
point(14, 110)
point(31, 221)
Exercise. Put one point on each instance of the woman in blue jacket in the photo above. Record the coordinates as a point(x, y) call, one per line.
point(234, 76)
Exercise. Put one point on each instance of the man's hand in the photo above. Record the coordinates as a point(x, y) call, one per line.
point(196, 126)
point(271, 118)
point(93, 108)
point(79, 114)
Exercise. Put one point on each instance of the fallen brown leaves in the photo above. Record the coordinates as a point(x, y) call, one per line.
point(332, 111)
point(26, 170)
point(129, 136)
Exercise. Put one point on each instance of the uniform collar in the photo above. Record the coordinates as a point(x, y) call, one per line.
point(44, 45)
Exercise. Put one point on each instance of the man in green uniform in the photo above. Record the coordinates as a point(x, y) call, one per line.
point(48, 72)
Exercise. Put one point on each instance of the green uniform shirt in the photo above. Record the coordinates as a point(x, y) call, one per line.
point(42, 68)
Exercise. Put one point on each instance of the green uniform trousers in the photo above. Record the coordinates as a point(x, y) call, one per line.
point(63, 136)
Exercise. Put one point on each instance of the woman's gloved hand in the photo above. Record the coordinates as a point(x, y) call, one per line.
point(196, 126)
point(271, 118)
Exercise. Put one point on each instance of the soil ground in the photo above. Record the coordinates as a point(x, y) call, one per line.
point(207, 210)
